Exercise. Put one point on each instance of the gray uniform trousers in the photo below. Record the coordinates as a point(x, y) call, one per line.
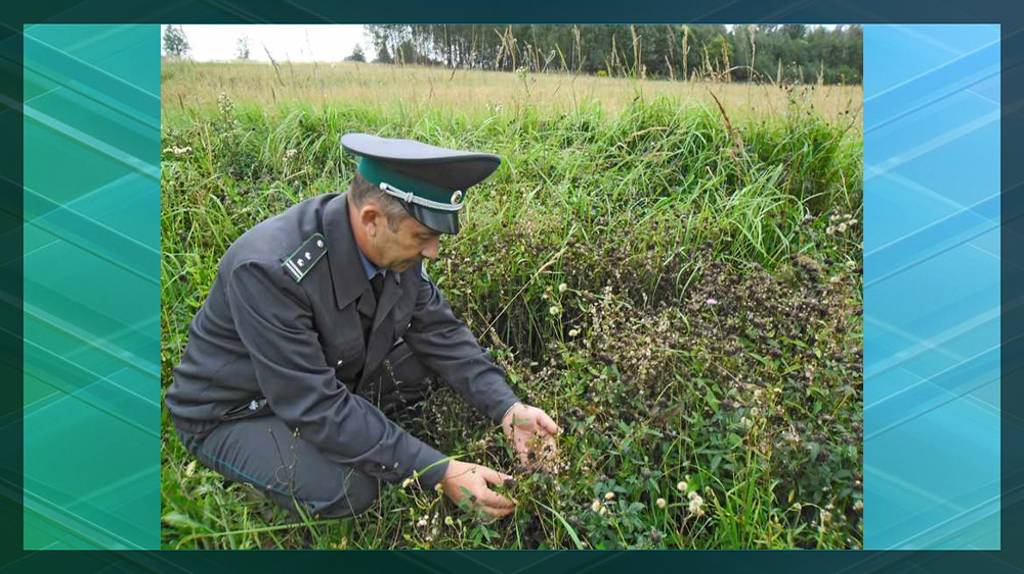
point(258, 448)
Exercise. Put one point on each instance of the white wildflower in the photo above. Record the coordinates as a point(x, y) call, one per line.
point(661, 502)
point(696, 506)
point(178, 150)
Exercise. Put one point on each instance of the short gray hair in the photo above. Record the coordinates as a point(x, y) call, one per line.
point(362, 191)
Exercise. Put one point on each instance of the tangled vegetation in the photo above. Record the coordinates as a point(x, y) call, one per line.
point(679, 288)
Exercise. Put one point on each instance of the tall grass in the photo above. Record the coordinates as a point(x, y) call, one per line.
point(189, 85)
point(678, 283)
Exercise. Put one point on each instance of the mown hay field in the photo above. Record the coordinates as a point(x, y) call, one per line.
point(676, 279)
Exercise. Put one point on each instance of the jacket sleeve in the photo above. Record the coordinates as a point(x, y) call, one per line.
point(448, 347)
point(274, 321)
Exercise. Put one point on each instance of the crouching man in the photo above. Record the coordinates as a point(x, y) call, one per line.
point(322, 324)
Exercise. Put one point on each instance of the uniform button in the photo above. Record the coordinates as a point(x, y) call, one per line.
point(319, 243)
point(340, 362)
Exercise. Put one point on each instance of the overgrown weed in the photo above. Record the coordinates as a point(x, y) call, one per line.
point(682, 293)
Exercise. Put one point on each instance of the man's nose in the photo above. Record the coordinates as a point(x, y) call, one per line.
point(430, 251)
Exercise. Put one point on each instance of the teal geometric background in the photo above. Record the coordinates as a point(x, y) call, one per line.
point(91, 286)
point(931, 287)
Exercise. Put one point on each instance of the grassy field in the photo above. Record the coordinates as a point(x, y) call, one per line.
point(680, 287)
point(189, 86)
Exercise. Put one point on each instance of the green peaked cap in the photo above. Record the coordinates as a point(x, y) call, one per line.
point(430, 181)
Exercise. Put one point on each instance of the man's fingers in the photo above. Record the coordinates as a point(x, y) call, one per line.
point(550, 445)
point(492, 476)
point(489, 498)
point(496, 512)
point(548, 424)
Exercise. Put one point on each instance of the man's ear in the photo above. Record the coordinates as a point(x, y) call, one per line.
point(369, 216)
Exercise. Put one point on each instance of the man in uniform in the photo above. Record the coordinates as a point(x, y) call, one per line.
point(322, 323)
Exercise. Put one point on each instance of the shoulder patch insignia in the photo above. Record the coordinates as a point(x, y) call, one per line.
point(305, 257)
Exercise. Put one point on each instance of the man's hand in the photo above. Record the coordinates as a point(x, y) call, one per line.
point(532, 434)
point(465, 480)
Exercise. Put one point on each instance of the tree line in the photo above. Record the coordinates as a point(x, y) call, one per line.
point(778, 53)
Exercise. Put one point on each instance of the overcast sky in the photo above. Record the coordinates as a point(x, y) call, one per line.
point(292, 42)
point(285, 42)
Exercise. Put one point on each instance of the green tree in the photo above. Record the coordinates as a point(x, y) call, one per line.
point(794, 31)
point(766, 52)
point(357, 54)
point(175, 42)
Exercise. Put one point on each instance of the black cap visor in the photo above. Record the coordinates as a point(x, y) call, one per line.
point(439, 221)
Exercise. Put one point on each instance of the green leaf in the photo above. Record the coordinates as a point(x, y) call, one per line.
point(180, 520)
point(711, 400)
point(568, 529)
point(734, 440)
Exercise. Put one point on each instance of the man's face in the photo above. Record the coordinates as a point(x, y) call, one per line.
point(401, 249)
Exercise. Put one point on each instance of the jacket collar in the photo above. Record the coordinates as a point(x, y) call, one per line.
point(343, 256)
point(347, 273)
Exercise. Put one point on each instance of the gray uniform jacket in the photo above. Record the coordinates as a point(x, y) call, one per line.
point(292, 334)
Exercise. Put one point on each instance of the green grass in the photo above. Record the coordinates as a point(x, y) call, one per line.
point(187, 85)
point(708, 331)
